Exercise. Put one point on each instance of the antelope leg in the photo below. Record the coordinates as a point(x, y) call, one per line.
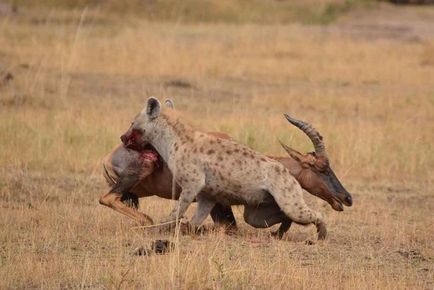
point(284, 227)
point(113, 200)
point(223, 216)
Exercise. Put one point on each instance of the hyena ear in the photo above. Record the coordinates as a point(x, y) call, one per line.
point(153, 108)
point(169, 103)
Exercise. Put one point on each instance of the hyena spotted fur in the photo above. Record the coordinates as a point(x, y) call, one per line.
point(213, 170)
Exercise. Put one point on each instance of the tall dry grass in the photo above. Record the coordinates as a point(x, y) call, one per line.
point(211, 11)
point(78, 82)
point(373, 102)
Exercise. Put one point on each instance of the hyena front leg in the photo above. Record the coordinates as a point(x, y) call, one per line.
point(190, 189)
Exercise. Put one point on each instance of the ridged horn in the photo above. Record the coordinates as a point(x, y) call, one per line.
point(311, 132)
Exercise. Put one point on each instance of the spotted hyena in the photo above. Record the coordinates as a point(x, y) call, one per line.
point(213, 170)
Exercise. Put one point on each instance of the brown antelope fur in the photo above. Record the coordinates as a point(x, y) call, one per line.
point(214, 170)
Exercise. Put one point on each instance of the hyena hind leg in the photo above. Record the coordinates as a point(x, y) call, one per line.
point(291, 202)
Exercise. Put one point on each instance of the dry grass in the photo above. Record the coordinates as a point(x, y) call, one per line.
point(211, 11)
point(80, 77)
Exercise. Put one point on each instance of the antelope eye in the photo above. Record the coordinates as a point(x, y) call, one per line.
point(324, 169)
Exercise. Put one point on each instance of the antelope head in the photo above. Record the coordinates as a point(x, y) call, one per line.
point(316, 175)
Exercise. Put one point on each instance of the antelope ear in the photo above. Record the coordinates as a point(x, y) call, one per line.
point(293, 153)
point(153, 108)
point(169, 103)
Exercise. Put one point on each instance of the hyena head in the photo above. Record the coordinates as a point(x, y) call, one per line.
point(143, 129)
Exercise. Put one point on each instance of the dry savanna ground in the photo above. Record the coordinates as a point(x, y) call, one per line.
point(71, 81)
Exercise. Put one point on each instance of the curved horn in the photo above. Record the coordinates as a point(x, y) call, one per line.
point(311, 132)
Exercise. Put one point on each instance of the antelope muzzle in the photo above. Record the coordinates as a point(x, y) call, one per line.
point(132, 140)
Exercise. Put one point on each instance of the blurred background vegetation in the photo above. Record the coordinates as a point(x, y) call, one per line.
point(228, 11)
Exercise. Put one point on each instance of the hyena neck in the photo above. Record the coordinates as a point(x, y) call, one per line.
point(171, 133)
